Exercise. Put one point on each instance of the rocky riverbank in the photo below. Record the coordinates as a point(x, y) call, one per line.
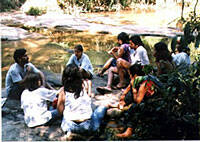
point(14, 128)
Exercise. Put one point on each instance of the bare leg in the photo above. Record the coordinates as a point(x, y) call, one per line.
point(106, 66)
point(127, 133)
point(111, 72)
point(107, 88)
point(86, 86)
point(122, 66)
point(90, 88)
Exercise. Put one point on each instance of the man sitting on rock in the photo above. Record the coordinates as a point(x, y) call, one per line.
point(17, 72)
point(83, 62)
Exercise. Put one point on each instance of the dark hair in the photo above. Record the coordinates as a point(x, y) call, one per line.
point(19, 53)
point(182, 48)
point(162, 52)
point(123, 37)
point(136, 40)
point(31, 81)
point(136, 69)
point(72, 79)
point(79, 47)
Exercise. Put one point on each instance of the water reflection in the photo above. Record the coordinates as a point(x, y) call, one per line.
point(97, 59)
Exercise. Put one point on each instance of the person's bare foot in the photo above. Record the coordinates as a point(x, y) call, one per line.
point(121, 105)
point(126, 134)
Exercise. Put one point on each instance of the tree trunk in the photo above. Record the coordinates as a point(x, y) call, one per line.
point(183, 4)
point(195, 8)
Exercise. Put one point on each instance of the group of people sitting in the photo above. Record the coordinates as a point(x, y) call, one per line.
point(72, 102)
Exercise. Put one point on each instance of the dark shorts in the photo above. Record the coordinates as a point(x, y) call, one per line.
point(113, 62)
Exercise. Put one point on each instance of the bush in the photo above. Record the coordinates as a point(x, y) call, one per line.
point(173, 113)
point(94, 5)
point(7, 5)
point(35, 11)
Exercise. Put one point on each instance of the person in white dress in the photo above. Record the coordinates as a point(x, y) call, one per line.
point(34, 101)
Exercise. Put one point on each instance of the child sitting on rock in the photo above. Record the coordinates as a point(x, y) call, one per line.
point(34, 101)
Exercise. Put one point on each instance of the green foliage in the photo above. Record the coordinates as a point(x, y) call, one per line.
point(35, 11)
point(171, 113)
point(7, 5)
point(191, 30)
point(94, 5)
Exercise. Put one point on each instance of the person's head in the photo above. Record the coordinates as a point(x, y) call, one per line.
point(182, 48)
point(72, 79)
point(136, 69)
point(123, 38)
point(161, 52)
point(78, 51)
point(187, 50)
point(135, 42)
point(20, 56)
point(32, 81)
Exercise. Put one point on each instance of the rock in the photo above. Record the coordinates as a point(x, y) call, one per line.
point(13, 33)
point(68, 22)
point(54, 79)
point(14, 127)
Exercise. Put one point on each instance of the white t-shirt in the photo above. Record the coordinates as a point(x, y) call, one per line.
point(83, 62)
point(16, 73)
point(140, 56)
point(76, 109)
point(34, 104)
point(181, 60)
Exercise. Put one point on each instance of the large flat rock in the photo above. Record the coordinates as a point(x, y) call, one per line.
point(68, 22)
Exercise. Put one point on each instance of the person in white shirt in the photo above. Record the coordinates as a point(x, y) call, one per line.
point(17, 72)
point(139, 56)
point(83, 62)
point(182, 58)
point(34, 101)
point(75, 104)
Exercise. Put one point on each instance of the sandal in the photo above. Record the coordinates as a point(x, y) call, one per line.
point(104, 90)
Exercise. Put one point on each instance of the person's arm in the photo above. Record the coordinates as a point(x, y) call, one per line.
point(86, 64)
point(145, 57)
point(114, 49)
point(158, 68)
point(139, 95)
point(61, 102)
point(119, 53)
point(16, 78)
point(71, 60)
point(125, 92)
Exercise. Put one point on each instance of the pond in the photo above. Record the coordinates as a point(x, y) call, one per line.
point(53, 50)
